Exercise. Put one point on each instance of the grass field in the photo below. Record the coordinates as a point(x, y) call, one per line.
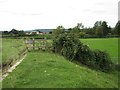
point(109, 45)
point(11, 49)
point(47, 70)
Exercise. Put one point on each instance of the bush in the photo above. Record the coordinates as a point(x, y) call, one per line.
point(70, 47)
point(103, 61)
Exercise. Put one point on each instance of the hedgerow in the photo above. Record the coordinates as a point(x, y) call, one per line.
point(70, 47)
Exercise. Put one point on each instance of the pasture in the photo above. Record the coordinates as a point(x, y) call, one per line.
point(109, 45)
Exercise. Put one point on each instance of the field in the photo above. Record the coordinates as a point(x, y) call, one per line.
point(109, 45)
point(47, 70)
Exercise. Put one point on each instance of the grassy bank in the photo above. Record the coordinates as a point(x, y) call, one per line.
point(47, 70)
point(11, 49)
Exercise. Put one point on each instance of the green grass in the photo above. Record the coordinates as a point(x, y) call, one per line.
point(11, 49)
point(47, 70)
point(109, 45)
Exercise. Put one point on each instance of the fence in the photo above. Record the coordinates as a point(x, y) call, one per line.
point(37, 44)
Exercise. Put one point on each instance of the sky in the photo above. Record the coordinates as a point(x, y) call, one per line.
point(48, 14)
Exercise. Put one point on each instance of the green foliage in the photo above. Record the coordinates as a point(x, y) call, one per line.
point(99, 31)
point(101, 28)
point(70, 47)
point(97, 24)
point(77, 29)
point(117, 28)
point(105, 28)
point(103, 61)
point(82, 34)
point(59, 30)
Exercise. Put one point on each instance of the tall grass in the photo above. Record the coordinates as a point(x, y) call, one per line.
point(11, 50)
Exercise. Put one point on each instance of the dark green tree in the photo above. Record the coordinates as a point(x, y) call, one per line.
point(105, 28)
point(97, 23)
point(14, 31)
point(99, 31)
point(5, 32)
point(21, 33)
point(117, 28)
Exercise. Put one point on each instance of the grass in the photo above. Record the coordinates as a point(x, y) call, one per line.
point(109, 45)
point(11, 49)
point(48, 70)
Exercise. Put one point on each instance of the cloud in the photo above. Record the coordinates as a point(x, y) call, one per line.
point(99, 3)
point(21, 13)
point(86, 10)
point(3, 1)
point(31, 14)
point(99, 11)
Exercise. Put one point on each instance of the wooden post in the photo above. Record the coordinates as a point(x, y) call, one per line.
point(33, 44)
point(25, 41)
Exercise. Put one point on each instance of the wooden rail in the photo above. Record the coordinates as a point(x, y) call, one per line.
point(35, 44)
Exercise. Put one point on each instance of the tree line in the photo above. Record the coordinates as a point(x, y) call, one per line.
point(99, 30)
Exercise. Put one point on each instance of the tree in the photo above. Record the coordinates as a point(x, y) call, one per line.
point(21, 33)
point(99, 31)
point(97, 23)
point(105, 28)
point(117, 28)
point(77, 29)
point(59, 30)
point(89, 31)
point(14, 31)
point(5, 32)
point(82, 34)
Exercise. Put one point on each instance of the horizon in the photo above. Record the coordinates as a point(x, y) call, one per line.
point(49, 14)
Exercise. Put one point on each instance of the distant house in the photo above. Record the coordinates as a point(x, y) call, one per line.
point(36, 32)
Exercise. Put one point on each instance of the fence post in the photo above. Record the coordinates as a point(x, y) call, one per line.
point(25, 40)
point(33, 44)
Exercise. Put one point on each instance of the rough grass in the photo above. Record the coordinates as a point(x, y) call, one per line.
point(47, 70)
point(11, 48)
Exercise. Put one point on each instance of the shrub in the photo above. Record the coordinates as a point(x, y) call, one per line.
point(103, 61)
point(70, 47)
point(58, 43)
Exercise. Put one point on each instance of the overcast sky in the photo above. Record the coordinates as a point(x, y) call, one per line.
point(48, 14)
